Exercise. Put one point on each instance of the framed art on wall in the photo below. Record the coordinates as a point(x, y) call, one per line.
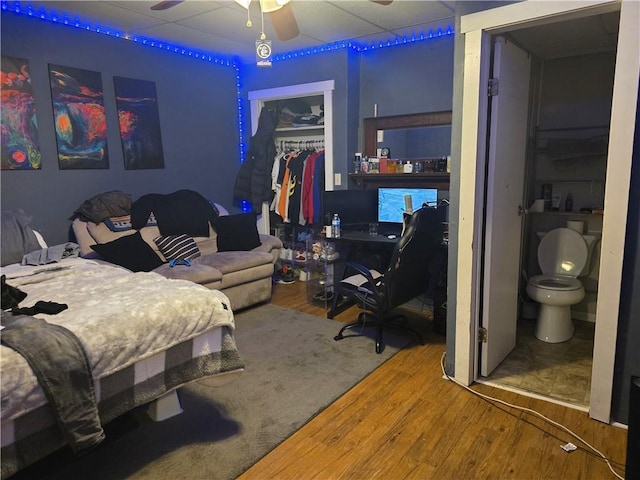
point(79, 118)
point(139, 123)
point(20, 149)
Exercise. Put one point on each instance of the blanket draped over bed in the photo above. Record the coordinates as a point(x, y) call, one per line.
point(61, 366)
point(144, 335)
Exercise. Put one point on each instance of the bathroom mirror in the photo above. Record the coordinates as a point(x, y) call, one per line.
point(411, 136)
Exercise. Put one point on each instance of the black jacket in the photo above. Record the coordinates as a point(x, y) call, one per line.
point(184, 211)
point(253, 183)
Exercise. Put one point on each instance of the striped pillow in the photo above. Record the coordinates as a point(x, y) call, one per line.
point(175, 247)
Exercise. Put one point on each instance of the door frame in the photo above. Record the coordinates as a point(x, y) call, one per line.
point(477, 28)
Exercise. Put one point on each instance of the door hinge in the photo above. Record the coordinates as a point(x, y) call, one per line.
point(494, 87)
point(482, 335)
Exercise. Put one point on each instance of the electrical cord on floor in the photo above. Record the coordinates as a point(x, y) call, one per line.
point(532, 412)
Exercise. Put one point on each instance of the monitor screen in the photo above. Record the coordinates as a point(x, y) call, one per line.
point(391, 201)
point(355, 206)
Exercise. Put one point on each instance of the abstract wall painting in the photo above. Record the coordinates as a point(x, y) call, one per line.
point(139, 121)
point(19, 146)
point(79, 118)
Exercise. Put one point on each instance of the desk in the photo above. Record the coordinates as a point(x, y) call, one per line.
point(365, 237)
point(345, 245)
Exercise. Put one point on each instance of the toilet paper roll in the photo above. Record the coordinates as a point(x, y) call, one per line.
point(537, 205)
point(576, 225)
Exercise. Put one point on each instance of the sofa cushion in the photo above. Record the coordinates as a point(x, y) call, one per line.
point(131, 252)
point(101, 233)
point(197, 273)
point(177, 246)
point(237, 232)
point(229, 262)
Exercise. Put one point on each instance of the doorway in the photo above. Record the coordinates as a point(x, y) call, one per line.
point(469, 281)
point(570, 109)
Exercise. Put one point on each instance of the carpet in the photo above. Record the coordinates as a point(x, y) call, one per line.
point(294, 369)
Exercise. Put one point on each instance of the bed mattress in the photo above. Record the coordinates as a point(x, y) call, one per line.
point(144, 335)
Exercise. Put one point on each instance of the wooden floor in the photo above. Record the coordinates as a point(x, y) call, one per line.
point(405, 421)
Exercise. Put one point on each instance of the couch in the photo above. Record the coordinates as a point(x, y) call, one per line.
point(243, 271)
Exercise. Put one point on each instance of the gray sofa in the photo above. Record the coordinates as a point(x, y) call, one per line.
point(244, 276)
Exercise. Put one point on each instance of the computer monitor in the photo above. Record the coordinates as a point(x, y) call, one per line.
point(392, 204)
point(355, 206)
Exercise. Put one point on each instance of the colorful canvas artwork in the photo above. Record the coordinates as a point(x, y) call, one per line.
point(19, 145)
point(79, 118)
point(139, 122)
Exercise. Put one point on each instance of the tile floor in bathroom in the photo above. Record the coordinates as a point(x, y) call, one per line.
point(561, 371)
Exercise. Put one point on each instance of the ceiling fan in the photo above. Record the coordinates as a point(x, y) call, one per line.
point(279, 11)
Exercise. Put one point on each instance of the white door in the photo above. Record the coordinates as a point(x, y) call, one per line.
point(505, 184)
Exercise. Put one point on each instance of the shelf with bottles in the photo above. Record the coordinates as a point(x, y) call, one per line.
point(439, 180)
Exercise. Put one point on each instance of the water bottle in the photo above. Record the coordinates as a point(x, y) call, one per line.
point(335, 226)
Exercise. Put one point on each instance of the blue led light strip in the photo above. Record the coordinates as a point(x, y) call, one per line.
point(361, 48)
point(64, 19)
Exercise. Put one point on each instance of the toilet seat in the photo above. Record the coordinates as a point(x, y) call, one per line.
point(555, 282)
point(562, 252)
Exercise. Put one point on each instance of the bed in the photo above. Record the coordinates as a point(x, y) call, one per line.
point(144, 336)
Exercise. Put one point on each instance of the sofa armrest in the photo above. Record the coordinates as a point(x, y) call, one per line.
point(270, 244)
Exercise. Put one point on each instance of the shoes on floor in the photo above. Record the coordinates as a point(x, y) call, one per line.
point(301, 256)
point(284, 275)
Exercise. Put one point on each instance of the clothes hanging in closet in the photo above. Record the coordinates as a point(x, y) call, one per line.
point(298, 180)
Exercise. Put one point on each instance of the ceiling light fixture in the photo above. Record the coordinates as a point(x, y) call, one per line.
point(280, 14)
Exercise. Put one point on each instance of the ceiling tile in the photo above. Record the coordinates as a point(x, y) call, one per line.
point(399, 14)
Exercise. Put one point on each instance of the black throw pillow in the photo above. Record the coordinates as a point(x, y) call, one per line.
point(237, 232)
point(130, 252)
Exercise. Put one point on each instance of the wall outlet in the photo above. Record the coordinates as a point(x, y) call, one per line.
point(380, 136)
point(337, 179)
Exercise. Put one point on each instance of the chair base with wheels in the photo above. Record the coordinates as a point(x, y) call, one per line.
point(369, 320)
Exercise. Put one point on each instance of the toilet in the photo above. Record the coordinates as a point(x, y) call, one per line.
point(563, 255)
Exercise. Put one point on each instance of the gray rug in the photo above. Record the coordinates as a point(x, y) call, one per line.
point(294, 369)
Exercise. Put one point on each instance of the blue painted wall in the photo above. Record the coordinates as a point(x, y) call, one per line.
point(410, 78)
point(197, 107)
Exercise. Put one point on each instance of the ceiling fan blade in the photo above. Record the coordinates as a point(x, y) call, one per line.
point(284, 23)
point(166, 4)
point(383, 2)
